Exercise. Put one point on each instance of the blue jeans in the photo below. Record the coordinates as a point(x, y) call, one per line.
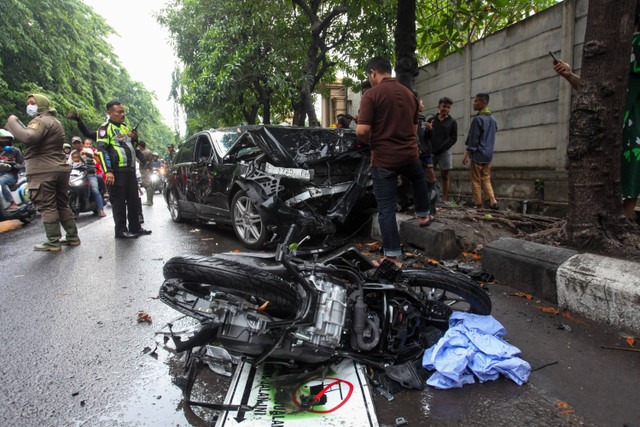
point(7, 180)
point(385, 185)
point(93, 183)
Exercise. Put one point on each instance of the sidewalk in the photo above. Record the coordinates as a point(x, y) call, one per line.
point(595, 287)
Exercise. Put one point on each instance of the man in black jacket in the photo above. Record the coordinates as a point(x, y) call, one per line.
point(442, 130)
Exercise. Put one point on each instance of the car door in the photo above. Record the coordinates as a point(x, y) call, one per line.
point(179, 178)
point(204, 178)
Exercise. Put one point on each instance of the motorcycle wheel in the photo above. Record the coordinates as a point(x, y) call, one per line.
point(209, 274)
point(453, 289)
point(29, 216)
point(74, 204)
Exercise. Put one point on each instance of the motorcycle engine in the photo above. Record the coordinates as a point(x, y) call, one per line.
point(243, 331)
point(330, 314)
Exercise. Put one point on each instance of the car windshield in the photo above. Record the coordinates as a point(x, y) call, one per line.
point(225, 138)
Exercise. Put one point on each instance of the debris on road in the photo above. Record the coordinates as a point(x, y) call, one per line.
point(522, 295)
point(473, 346)
point(144, 318)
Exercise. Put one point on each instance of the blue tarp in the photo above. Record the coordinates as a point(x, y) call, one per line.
point(473, 346)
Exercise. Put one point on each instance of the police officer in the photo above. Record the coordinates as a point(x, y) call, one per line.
point(47, 171)
point(115, 141)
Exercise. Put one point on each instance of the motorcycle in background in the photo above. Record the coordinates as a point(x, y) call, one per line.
point(157, 178)
point(26, 212)
point(80, 197)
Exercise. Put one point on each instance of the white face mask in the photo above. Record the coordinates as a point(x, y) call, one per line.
point(32, 110)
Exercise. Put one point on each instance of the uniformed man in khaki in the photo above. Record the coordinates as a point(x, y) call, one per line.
point(146, 171)
point(47, 171)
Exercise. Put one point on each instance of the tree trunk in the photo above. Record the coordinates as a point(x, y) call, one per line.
point(405, 42)
point(595, 218)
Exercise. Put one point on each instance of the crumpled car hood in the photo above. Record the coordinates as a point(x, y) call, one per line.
point(289, 147)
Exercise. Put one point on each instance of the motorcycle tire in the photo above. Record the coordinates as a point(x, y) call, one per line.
point(469, 296)
point(220, 275)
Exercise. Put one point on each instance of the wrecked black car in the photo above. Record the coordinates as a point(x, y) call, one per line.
point(261, 179)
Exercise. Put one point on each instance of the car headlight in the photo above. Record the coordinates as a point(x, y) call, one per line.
point(301, 174)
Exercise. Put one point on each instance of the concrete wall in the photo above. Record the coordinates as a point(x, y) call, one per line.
point(531, 103)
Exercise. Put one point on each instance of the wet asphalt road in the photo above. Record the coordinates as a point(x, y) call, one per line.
point(72, 349)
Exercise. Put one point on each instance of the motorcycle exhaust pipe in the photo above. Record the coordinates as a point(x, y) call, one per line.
point(360, 323)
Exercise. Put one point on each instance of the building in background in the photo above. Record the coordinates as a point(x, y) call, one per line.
point(341, 100)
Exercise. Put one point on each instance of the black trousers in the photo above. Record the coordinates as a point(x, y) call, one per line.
point(125, 202)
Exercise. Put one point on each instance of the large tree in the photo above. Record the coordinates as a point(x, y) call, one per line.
point(246, 62)
point(595, 218)
point(445, 26)
point(59, 48)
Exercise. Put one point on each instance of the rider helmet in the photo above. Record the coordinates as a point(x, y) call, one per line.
point(155, 154)
point(6, 134)
point(65, 145)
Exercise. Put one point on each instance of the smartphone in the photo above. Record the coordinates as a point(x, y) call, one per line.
point(555, 60)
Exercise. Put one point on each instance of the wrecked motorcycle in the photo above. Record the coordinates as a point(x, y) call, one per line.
point(274, 306)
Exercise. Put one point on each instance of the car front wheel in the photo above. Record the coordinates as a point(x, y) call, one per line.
point(248, 223)
point(174, 207)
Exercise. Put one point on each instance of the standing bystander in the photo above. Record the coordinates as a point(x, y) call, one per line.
point(480, 142)
point(442, 130)
point(388, 121)
point(47, 171)
point(146, 170)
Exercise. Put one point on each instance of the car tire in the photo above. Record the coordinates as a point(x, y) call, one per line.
point(174, 207)
point(248, 223)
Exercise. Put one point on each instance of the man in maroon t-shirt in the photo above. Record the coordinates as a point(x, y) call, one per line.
point(388, 121)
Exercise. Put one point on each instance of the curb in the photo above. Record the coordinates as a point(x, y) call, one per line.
point(599, 288)
point(437, 241)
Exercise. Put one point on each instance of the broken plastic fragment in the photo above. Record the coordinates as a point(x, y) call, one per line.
point(263, 306)
point(144, 318)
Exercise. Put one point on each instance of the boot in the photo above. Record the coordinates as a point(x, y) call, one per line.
point(52, 231)
point(71, 238)
point(149, 201)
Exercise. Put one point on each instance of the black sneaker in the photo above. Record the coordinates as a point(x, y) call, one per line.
point(126, 235)
point(142, 232)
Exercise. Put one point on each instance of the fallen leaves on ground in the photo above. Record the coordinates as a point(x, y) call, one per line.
point(522, 295)
point(564, 407)
point(568, 315)
point(373, 245)
point(564, 314)
point(630, 340)
point(475, 256)
point(548, 309)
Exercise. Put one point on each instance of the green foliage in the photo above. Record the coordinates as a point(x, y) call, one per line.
point(445, 26)
point(59, 48)
point(249, 62)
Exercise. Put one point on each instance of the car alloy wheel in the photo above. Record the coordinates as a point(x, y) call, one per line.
point(247, 222)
